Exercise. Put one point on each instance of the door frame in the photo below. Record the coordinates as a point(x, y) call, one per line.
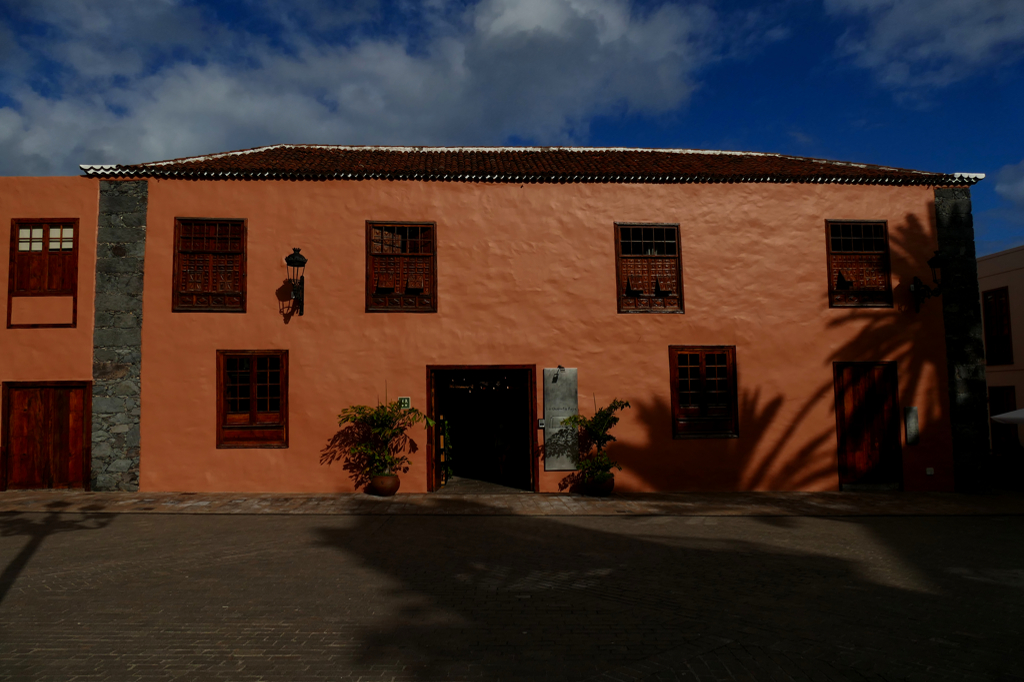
point(531, 389)
point(888, 366)
point(5, 416)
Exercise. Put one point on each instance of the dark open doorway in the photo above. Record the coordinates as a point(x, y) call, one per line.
point(486, 424)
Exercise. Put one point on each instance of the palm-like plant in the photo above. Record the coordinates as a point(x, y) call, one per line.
point(592, 437)
point(373, 440)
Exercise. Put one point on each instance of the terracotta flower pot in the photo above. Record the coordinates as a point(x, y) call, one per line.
point(383, 486)
point(599, 488)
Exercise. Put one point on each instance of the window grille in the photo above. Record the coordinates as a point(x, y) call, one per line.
point(401, 267)
point(858, 265)
point(209, 266)
point(649, 268)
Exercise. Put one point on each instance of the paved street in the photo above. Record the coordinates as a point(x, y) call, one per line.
point(93, 595)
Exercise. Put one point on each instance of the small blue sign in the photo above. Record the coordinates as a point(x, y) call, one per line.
point(405, 403)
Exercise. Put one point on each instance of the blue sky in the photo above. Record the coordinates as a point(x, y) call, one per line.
point(934, 85)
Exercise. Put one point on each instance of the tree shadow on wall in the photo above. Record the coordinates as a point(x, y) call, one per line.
point(769, 455)
point(56, 521)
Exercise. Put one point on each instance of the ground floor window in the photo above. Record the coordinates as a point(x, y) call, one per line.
point(252, 399)
point(703, 391)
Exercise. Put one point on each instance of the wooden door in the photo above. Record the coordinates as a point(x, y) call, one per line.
point(45, 435)
point(867, 423)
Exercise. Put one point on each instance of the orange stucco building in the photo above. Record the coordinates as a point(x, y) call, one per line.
point(755, 310)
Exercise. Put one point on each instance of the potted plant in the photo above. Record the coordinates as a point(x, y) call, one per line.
point(373, 442)
point(593, 475)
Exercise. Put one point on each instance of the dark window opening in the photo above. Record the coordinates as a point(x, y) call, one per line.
point(998, 339)
point(252, 406)
point(703, 391)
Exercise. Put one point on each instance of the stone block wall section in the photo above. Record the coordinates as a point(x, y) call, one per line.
point(117, 338)
point(965, 349)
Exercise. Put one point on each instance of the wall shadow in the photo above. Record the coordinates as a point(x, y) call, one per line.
point(56, 521)
point(800, 453)
point(285, 304)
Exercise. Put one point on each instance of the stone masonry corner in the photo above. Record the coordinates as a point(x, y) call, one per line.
point(117, 338)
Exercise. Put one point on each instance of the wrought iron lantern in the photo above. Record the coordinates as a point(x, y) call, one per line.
point(919, 290)
point(296, 263)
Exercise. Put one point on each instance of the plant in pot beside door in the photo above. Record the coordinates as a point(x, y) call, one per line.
point(593, 475)
point(373, 442)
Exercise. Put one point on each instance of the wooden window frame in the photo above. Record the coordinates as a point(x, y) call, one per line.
point(232, 436)
point(883, 299)
point(726, 426)
point(375, 307)
point(176, 283)
point(12, 271)
point(997, 354)
point(620, 279)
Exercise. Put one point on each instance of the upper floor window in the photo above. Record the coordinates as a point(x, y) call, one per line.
point(252, 399)
point(998, 340)
point(43, 263)
point(209, 265)
point(401, 267)
point(858, 264)
point(703, 391)
point(649, 271)
point(44, 257)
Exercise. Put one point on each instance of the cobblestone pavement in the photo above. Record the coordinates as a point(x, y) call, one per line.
point(103, 594)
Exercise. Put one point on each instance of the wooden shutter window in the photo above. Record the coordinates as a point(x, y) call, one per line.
point(209, 266)
point(252, 399)
point(649, 268)
point(401, 267)
point(704, 401)
point(858, 264)
point(44, 262)
point(998, 339)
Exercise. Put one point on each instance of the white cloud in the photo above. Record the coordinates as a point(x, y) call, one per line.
point(117, 81)
point(916, 44)
point(1010, 186)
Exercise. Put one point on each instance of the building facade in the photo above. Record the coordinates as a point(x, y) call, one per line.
point(1001, 282)
point(755, 310)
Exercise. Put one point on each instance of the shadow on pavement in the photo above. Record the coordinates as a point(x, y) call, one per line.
point(518, 598)
point(38, 530)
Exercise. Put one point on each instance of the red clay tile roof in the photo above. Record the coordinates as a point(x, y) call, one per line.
point(521, 164)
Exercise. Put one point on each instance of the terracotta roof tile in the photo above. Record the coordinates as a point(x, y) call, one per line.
point(522, 164)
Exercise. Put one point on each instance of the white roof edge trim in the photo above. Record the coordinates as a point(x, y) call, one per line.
point(97, 166)
point(969, 176)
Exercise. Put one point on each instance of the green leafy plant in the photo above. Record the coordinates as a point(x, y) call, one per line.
point(585, 441)
point(373, 440)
